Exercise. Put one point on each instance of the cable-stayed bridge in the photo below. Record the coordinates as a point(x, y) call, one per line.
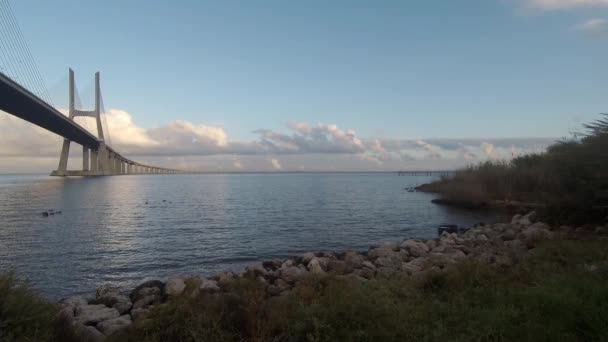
point(23, 93)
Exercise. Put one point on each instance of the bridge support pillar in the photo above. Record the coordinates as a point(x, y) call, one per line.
point(85, 158)
point(94, 166)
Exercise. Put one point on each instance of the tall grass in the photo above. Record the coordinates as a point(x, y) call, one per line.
point(551, 297)
point(570, 178)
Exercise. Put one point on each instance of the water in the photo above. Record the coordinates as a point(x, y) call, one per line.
point(123, 230)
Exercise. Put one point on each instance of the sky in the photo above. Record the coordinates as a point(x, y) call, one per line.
point(318, 85)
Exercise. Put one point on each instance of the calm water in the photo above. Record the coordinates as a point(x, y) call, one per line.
point(123, 230)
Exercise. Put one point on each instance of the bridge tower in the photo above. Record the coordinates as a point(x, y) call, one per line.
point(94, 162)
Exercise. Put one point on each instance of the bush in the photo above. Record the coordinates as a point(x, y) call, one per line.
point(569, 180)
point(552, 296)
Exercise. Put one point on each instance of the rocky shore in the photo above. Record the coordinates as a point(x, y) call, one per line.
point(501, 244)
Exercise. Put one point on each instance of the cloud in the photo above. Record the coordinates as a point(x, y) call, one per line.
point(314, 147)
point(276, 164)
point(488, 150)
point(563, 4)
point(595, 27)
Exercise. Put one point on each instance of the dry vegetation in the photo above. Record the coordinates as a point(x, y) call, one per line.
point(570, 180)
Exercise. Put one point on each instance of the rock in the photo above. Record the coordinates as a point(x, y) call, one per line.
point(272, 264)
point(225, 279)
point(88, 333)
point(415, 248)
point(528, 219)
point(123, 307)
point(353, 259)
point(290, 273)
point(209, 285)
point(314, 267)
point(515, 219)
point(146, 301)
point(536, 232)
point(274, 290)
point(111, 297)
point(306, 257)
point(367, 273)
point(139, 314)
point(379, 252)
point(339, 267)
point(254, 271)
point(146, 289)
point(93, 314)
point(175, 287)
point(368, 264)
point(387, 262)
point(111, 326)
point(74, 301)
point(508, 235)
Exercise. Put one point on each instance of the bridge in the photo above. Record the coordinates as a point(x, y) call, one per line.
point(98, 159)
point(23, 94)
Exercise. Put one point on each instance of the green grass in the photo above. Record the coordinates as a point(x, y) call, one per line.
point(26, 316)
point(569, 180)
point(550, 297)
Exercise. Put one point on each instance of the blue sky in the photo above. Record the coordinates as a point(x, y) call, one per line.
point(385, 69)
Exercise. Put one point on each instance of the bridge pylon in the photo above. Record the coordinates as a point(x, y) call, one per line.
point(95, 162)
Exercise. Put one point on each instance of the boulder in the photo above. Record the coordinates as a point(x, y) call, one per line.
point(175, 287)
point(353, 259)
point(508, 235)
point(339, 267)
point(146, 301)
point(209, 285)
point(515, 219)
point(379, 252)
point(536, 232)
point(146, 289)
point(256, 270)
point(74, 301)
point(123, 307)
point(415, 248)
point(290, 273)
point(93, 314)
point(387, 262)
point(272, 264)
point(306, 257)
point(225, 279)
point(88, 333)
point(314, 267)
point(111, 326)
point(139, 314)
point(368, 264)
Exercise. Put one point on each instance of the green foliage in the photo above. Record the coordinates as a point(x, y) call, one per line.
point(24, 315)
point(552, 296)
point(570, 179)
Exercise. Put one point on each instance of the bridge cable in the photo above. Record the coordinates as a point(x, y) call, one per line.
point(15, 72)
point(102, 113)
point(23, 74)
point(23, 53)
point(30, 70)
point(33, 63)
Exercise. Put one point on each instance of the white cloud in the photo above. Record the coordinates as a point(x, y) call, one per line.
point(596, 26)
point(488, 150)
point(563, 4)
point(320, 147)
point(276, 164)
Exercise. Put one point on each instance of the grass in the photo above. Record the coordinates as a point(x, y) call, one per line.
point(569, 180)
point(26, 316)
point(552, 296)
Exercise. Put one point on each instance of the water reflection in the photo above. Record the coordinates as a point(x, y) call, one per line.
point(121, 230)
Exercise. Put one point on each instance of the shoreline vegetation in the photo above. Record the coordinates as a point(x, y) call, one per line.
point(566, 184)
point(523, 280)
